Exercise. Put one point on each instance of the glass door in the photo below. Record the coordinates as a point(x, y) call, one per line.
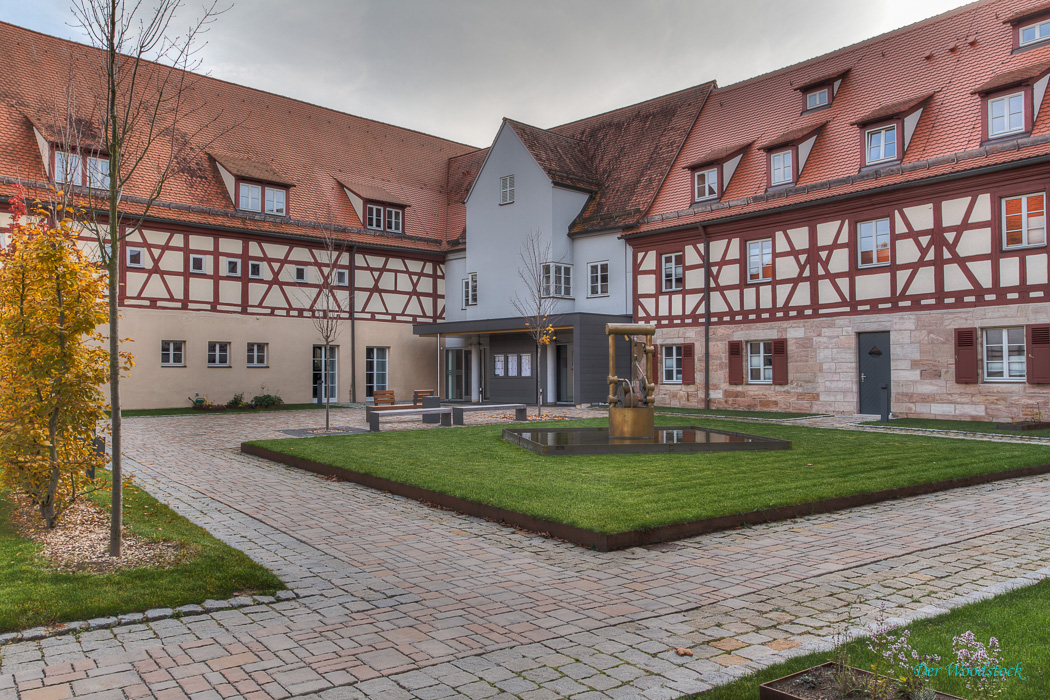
point(325, 357)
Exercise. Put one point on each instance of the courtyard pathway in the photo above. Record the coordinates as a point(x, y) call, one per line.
point(398, 600)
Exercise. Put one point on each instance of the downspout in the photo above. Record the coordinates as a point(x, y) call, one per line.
point(353, 326)
point(439, 367)
point(707, 318)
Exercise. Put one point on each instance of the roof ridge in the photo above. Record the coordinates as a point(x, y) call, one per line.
point(540, 128)
point(712, 83)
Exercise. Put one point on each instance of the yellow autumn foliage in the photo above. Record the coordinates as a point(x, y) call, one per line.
point(52, 362)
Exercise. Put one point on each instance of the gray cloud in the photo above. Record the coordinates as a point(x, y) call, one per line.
point(454, 68)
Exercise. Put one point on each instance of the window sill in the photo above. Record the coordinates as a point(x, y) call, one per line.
point(1015, 248)
point(255, 278)
point(1005, 381)
point(880, 164)
point(706, 200)
point(258, 366)
point(176, 366)
point(675, 289)
point(818, 108)
point(766, 280)
point(873, 266)
point(763, 383)
point(598, 296)
point(503, 204)
point(1002, 138)
point(220, 366)
point(677, 383)
point(136, 267)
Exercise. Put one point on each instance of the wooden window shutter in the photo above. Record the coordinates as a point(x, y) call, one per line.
point(688, 364)
point(658, 366)
point(780, 361)
point(1037, 349)
point(965, 355)
point(736, 362)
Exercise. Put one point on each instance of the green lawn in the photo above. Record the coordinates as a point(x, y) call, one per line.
point(35, 594)
point(771, 415)
point(187, 411)
point(969, 426)
point(1020, 620)
point(616, 493)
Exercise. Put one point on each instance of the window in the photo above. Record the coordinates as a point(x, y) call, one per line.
point(393, 220)
point(506, 189)
point(96, 172)
point(1006, 115)
point(233, 267)
point(760, 260)
point(136, 257)
point(672, 373)
point(376, 361)
point(873, 242)
point(342, 278)
point(172, 353)
point(74, 169)
point(299, 274)
point(760, 362)
point(218, 354)
point(817, 98)
point(598, 277)
point(255, 270)
point(257, 354)
point(250, 197)
point(672, 263)
point(374, 220)
point(275, 199)
point(780, 168)
point(1023, 221)
point(67, 167)
point(198, 265)
point(1004, 354)
point(1033, 33)
point(557, 280)
point(705, 184)
point(470, 290)
point(881, 145)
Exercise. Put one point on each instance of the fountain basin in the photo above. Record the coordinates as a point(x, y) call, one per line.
point(551, 442)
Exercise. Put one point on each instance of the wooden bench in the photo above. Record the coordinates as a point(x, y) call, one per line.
point(384, 400)
point(372, 415)
point(458, 411)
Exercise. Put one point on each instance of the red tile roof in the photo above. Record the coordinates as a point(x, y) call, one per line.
point(1028, 13)
point(301, 144)
point(894, 109)
point(822, 79)
point(950, 55)
point(1017, 76)
point(718, 154)
point(799, 133)
point(251, 170)
point(563, 158)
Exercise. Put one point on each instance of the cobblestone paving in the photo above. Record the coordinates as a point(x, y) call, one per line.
point(398, 600)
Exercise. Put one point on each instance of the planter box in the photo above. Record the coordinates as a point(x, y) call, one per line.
point(1024, 425)
point(819, 686)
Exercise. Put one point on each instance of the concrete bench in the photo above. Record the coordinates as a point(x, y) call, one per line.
point(458, 411)
point(372, 416)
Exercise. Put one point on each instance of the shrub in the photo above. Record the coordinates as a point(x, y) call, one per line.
point(267, 400)
point(237, 401)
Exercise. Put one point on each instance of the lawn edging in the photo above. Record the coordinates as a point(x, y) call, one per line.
point(609, 542)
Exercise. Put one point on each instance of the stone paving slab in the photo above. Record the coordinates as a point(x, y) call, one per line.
point(397, 600)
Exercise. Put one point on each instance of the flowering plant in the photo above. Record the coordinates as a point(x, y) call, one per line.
point(972, 654)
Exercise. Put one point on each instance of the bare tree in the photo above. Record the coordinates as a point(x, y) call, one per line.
point(535, 302)
point(141, 93)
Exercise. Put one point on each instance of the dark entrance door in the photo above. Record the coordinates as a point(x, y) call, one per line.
point(874, 363)
point(563, 355)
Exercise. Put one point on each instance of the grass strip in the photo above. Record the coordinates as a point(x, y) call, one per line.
point(617, 493)
point(35, 594)
point(967, 426)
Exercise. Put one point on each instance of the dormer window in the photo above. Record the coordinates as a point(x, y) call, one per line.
point(84, 171)
point(375, 217)
point(820, 91)
point(262, 198)
point(713, 171)
point(817, 98)
point(1006, 115)
point(705, 184)
point(1033, 33)
point(881, 145)
point(379, 217)
point(780, 168)
point(393, 220)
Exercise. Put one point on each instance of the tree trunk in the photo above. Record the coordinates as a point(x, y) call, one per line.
point(539, 382)
point(327, 388)
point(47, 507)
point(116, 522)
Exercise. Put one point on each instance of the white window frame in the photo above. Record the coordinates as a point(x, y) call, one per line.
point(1025, 227)
point(299, 274)
point(1041, 32)
point(1005, 346)
point(254, 265)
point(762, 351)
point(506, 190)
point(882, 156)
point(1006, 101)
point(233, 267)
point(203, 268)
point(258, 355)
point(784, 167)
point(394, 220)
point(675, 281)
point(762, 250)
point(68, 168)
point(813, 104)
point(557, 280)
point(598, 279)
point(169, 349)
point(470, 290)
point(271, 204)
point(374, 217)
point(672, 364)
point(216, 350)
point(96, 172)
point(709, 186)
point(377, 365)
point(141, 253)
point(245, 197)
point(342, 278)
point(870, 238)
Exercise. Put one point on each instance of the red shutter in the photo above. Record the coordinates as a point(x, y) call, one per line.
point(780, 361)
point(965, 355)
point(688, 364)
point(1037, 345)
point(736, 362)
point(658, 366)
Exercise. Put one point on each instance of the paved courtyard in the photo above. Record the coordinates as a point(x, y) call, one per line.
point(398, 600)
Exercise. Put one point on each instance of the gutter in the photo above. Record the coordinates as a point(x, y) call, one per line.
point(353, 324)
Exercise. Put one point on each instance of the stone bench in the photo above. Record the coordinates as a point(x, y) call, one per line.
point(372, 416)
point(458, 411)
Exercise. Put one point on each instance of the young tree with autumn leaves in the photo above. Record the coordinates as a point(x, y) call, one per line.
point(535, 303)
point(53, 362)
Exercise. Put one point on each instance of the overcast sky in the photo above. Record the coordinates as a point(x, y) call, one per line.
point(454, 68)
